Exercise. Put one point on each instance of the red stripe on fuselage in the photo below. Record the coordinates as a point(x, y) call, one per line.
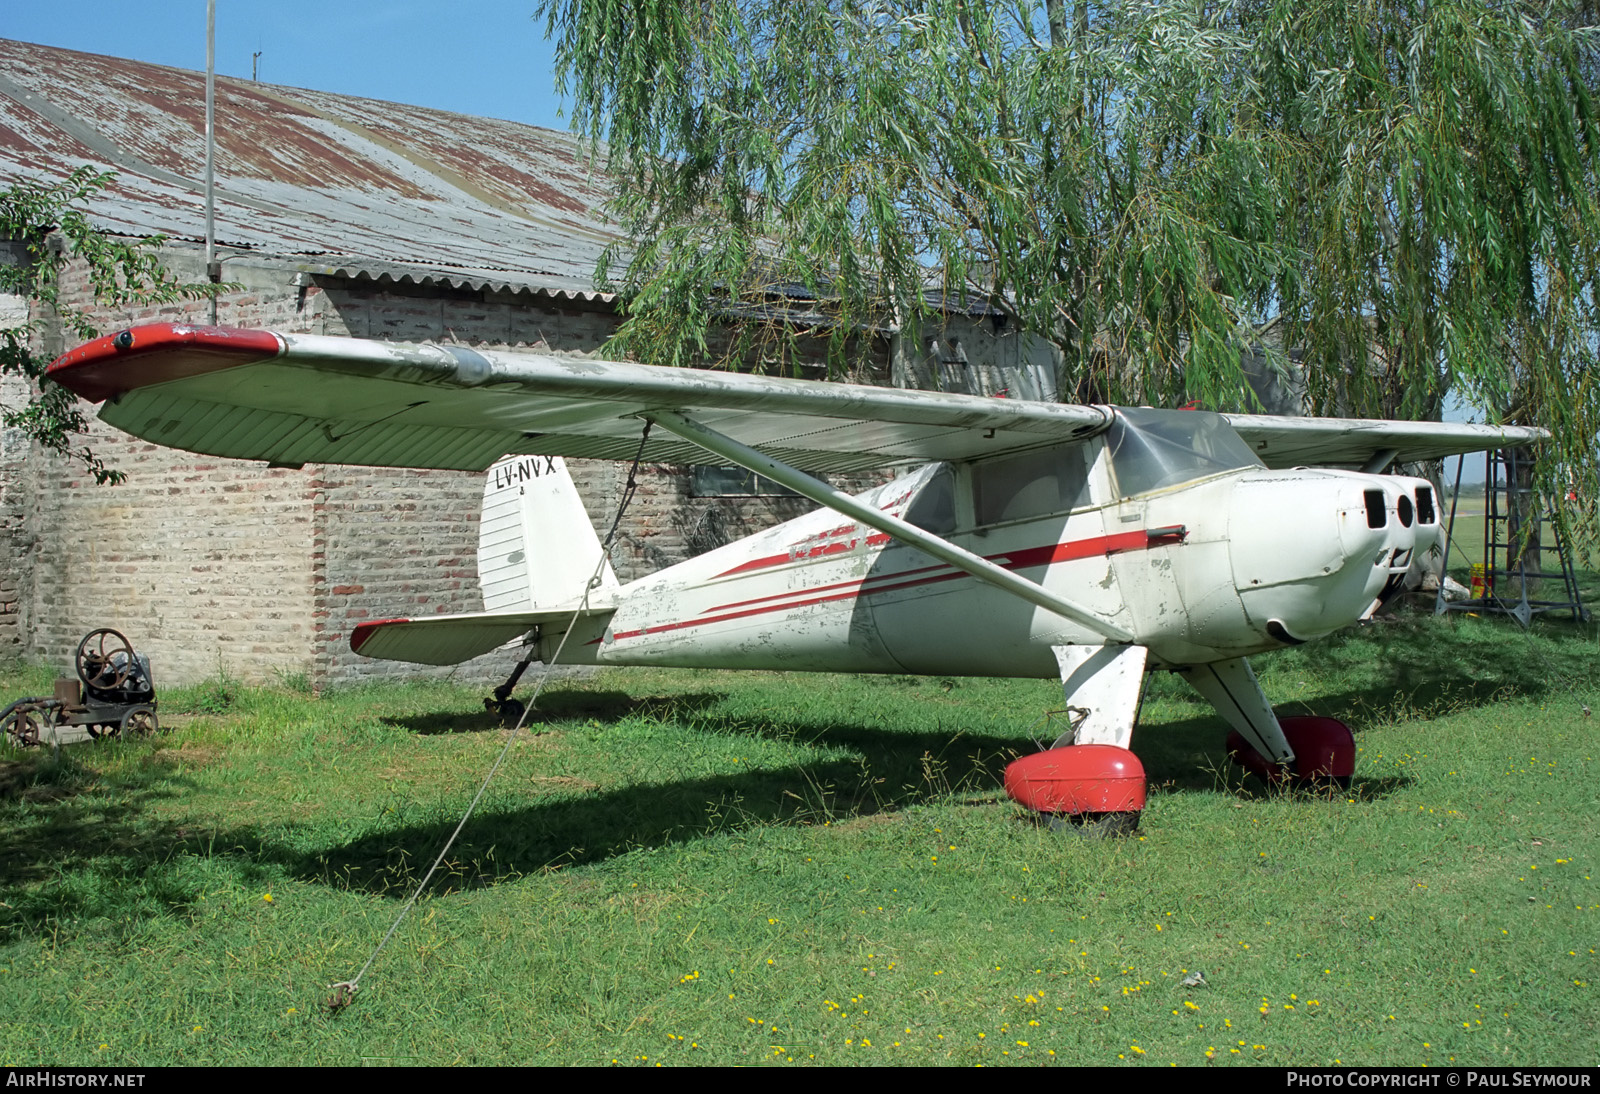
point(888, 583)
point(795, 554)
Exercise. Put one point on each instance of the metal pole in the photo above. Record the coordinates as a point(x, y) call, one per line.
point(213, 269)
point(1440, 604)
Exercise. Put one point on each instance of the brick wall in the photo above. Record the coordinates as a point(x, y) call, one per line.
point(200, 562)
point(200, 566)
point(15, 548)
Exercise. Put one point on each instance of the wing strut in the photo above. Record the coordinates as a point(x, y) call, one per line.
point(943, 550)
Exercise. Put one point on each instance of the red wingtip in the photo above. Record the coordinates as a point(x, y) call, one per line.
point(141, 356)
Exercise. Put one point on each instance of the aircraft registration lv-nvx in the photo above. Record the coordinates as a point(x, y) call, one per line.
point(1092, 543)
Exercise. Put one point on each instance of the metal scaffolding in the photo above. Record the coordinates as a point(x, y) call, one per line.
point(1521, 531)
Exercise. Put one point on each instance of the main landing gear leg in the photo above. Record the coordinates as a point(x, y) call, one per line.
point(1308, 750)
point(1088, 782)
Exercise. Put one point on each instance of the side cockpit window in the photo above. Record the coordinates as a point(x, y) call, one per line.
point(1034, 484)
point(934, 507)
point(1153, 449)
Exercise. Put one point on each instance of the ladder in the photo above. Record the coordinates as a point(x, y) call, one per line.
point(1521, 532)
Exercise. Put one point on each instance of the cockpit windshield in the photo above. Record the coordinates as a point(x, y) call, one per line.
point(1151, 449)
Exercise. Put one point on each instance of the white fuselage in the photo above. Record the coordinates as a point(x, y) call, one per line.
point(1222, 566)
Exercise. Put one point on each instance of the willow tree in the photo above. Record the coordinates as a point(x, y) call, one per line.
point(1442, 233)
point(1407, 188)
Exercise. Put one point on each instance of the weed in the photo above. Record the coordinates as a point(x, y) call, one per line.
point(215, 696)
point(298, 682)
point(1226, 777)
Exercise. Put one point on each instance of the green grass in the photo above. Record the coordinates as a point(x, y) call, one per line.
point(716, 868)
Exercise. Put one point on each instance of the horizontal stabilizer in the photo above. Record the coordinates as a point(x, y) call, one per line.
point(451, 639)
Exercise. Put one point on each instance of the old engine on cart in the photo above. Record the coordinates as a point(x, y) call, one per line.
point(113, 694)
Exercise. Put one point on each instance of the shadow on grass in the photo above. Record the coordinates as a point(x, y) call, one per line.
point(79, 844)
point(560, 706)
point(1411, 668)
point(75, 842)
point(1425, 664)
point(85, 831)
point(891, 771)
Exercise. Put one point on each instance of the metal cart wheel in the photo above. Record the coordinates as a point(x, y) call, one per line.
point(139, 722)
point(21, 728)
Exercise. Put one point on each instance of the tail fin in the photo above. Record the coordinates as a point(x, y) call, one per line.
point(536, 547)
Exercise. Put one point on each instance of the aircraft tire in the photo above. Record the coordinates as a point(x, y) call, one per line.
point(1324, 753)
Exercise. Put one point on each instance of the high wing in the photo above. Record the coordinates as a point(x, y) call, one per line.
point(1355, 442)
point(294, 399)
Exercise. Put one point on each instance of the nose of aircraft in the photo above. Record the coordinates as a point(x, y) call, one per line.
point(1314, 551)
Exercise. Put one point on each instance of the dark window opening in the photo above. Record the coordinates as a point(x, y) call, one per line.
point(1425, 512)
point(934, 507)
point(733, 482)
point(1405, 511)
point(1377, 517)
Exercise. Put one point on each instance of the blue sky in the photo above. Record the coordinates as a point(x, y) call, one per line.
point(472, 56)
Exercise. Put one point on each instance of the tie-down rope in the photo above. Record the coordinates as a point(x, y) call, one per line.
point(344, 992)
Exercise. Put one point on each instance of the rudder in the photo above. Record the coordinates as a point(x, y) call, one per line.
point(536, 547)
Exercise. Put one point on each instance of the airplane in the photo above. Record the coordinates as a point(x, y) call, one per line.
point(1093, 544)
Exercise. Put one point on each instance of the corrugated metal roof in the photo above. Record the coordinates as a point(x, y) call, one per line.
point(339, 185)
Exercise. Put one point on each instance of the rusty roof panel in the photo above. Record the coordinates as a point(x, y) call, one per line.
point(372, 188)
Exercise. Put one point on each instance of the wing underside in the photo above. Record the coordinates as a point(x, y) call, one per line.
point(1353, 442)
point(294, 399)
point(303, 398)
